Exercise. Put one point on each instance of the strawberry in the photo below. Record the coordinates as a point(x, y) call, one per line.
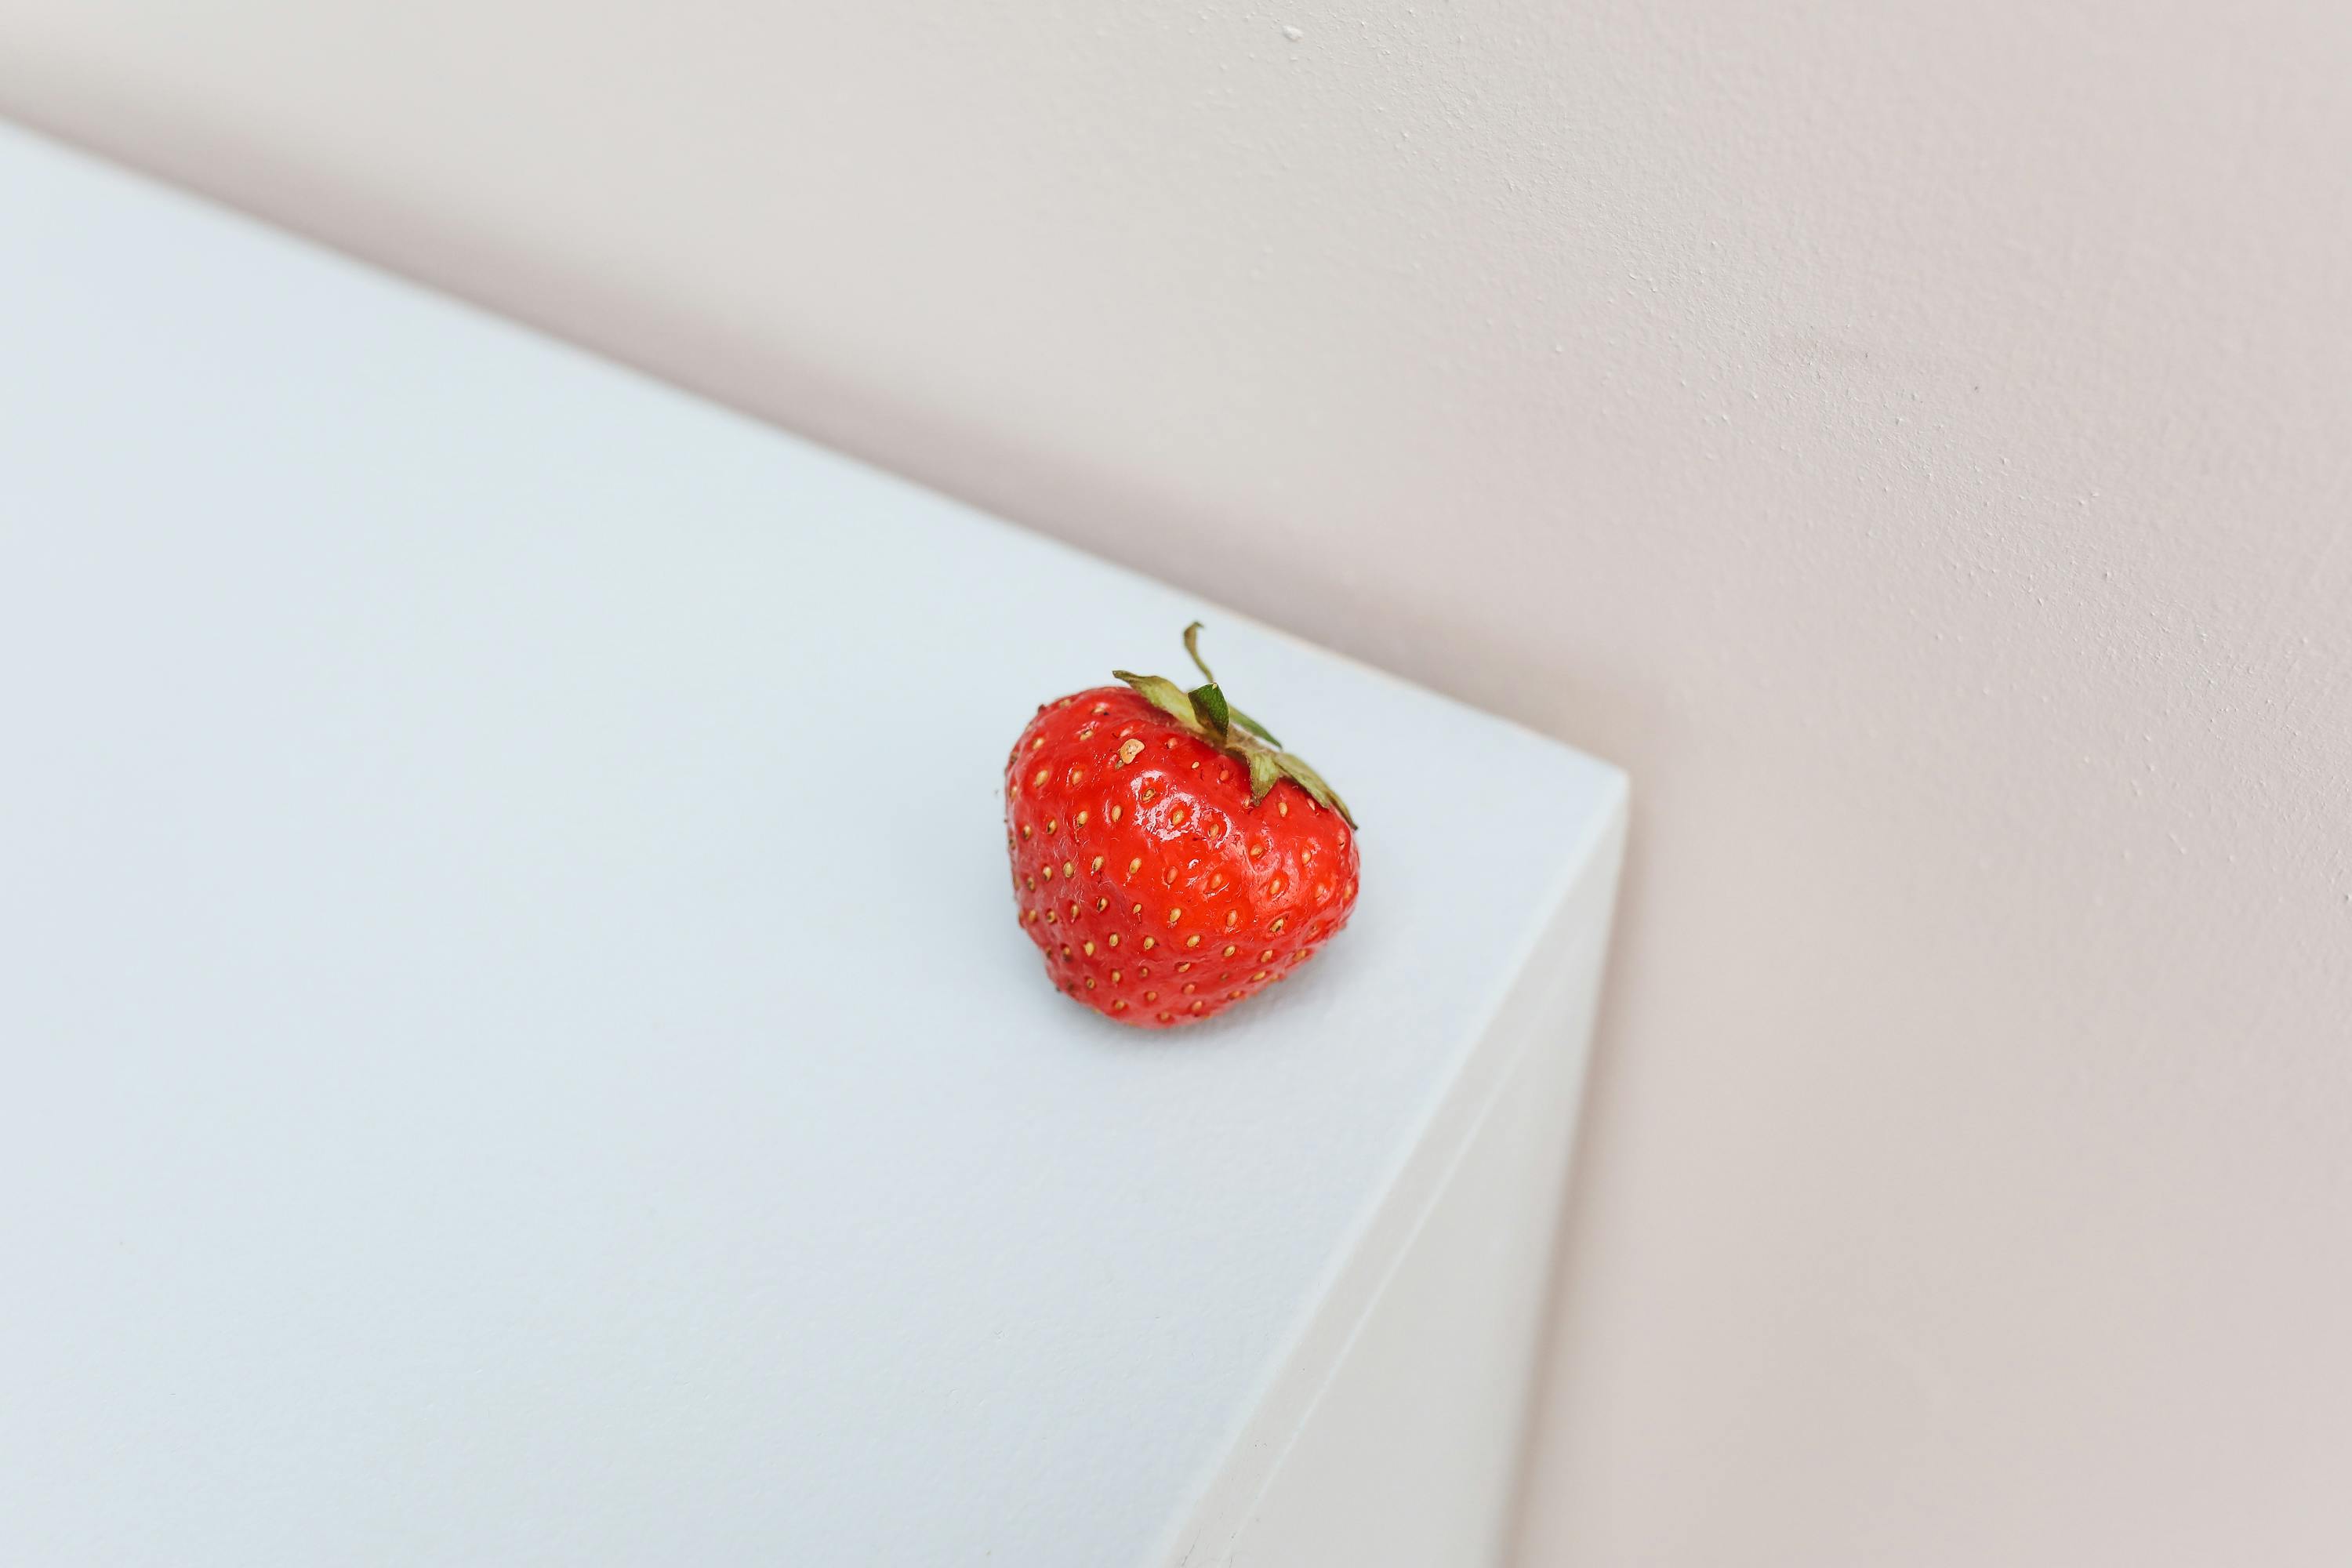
point(1168, 855)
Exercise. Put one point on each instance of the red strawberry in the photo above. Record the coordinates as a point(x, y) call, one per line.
point(1168, 855)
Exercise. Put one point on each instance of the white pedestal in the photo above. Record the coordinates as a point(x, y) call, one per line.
point(515, 1044)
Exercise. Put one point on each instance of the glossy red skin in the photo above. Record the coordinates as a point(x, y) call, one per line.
point(1159, 894)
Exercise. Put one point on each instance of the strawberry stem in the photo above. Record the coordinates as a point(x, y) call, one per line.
point(1192, 646)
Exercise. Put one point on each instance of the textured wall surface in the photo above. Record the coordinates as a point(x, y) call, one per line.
point(1916, 440)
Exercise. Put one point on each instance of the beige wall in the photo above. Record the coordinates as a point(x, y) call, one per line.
point(1917, 440)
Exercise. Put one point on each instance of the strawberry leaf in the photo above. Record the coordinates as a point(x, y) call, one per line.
point(1203, 711)
point(1252, 726)
point(1265, 773)
point(1165, 695)
point(1210, 704)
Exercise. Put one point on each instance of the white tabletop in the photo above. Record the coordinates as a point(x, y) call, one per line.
point(515, 1040)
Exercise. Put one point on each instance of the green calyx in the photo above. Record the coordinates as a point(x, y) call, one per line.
point(1203, 711)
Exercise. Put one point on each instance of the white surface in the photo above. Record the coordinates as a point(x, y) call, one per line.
point(1910, 436)
point(1408, 1456)
point(518, 1046)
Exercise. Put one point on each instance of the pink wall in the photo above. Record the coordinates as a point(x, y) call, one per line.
point(1917, 440)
